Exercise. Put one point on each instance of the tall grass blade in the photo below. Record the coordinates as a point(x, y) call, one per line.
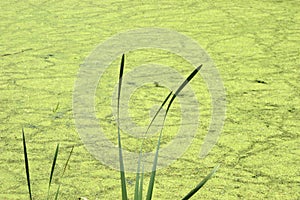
point(187, 80)
point(137, 194)
point(153, 173)
point(57, 192)
point(65, 167)
point(52, 169)
point(26, 165)
point(161, 106)
point(137, 181)
point(152, 177)
point(200, 185)
point(141, 185)
point(122, 171)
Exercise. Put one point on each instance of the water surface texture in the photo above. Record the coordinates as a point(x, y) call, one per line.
point(254, 45)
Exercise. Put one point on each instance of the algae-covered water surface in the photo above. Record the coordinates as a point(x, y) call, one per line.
point(254, 45)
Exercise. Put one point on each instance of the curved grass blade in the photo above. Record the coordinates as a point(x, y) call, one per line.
point(26, 165)
point(187, 80)
point(161, 106)
point(200, 185)
point(137, 184)
point(122, 171)
point(57, 192)
point(52, 169)
point(152, 178)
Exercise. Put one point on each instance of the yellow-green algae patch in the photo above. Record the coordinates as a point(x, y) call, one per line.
point(254, 44)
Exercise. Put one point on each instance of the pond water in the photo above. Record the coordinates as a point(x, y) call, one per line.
point(254, 45)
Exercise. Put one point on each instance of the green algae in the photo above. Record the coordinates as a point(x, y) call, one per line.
point(253, 44)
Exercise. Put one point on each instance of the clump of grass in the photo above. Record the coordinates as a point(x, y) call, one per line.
point(138, 194)
point(51, 172)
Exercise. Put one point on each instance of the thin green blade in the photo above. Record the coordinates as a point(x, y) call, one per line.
point(122, 171)
point(137, 194)
point(153, 173)
point(137, 180)
point(57, 192)
point(52, 168)
point(161, 106)
point(141, 185)
point(200, 185)
point(65, 167)
point(187, 80)
point(26, 165)
point(152, 177)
